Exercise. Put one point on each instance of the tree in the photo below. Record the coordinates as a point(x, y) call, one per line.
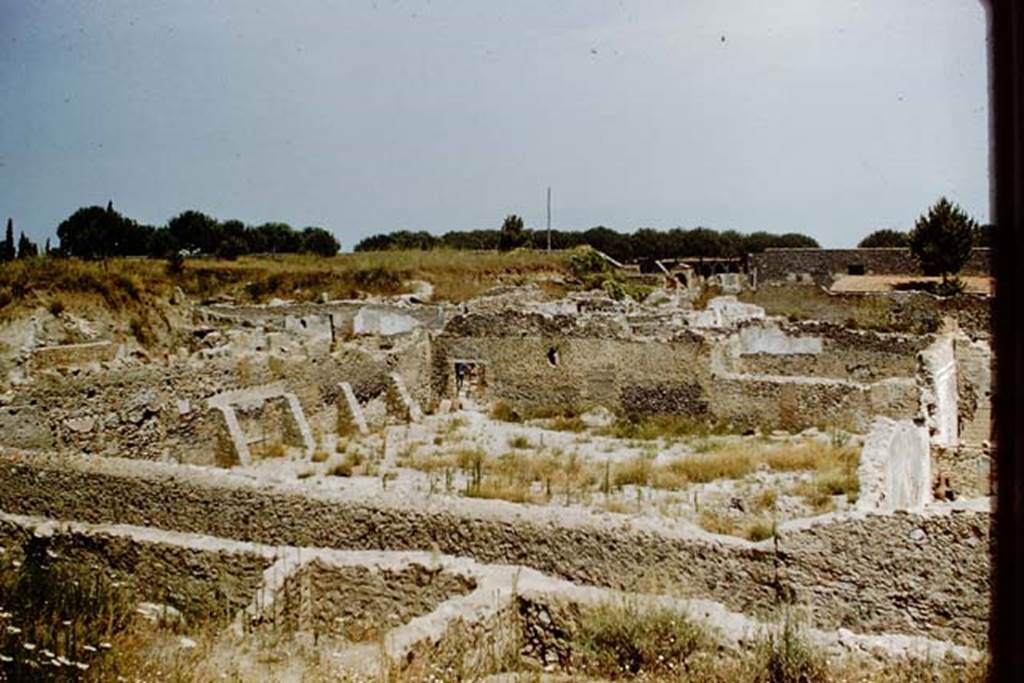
point(276, 238)
point(195, 231)
point(95, 232)
point(886, 237)
point(88, 233)
point(26, 247)
point(7, 252)
point(319, 241)
point(512, 236)
point(941, 240)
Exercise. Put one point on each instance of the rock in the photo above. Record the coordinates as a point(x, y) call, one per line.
point(81, 424)
point(158, 613)
point(187, 643)
point(598, 417)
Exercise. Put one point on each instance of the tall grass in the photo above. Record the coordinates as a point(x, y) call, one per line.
point(58, 620)
point(120, 282)
point(628, 640)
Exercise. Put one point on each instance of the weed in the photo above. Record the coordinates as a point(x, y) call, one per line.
point(69, 611)
point(759, 530)
point(784, 657)
point(635, 472)
point(342, 468)
point(519, 441)
point(616, 639)
point(766, 500)
point(274, 449)
point(505, 413)
point(717, 523)
point(563, 423)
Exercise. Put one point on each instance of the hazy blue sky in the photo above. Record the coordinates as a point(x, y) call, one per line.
point(829, 117)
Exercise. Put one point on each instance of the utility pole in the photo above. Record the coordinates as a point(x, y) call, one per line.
point(549, 218)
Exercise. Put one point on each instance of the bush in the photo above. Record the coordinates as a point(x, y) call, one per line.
point(785, 657)
point(617, 639)
point(505, 413)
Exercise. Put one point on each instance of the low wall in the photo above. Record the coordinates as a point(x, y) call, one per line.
point(822, 265)
point(795, 404)
point(816, 564)
point(204, 583)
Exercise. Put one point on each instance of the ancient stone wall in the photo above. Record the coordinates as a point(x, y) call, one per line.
point(360, 602)
point(797, 403)
point(813, 349)
point(821, 266)
point(848, 569)
point(568, 361)
point(158, 411)
point(203, 583)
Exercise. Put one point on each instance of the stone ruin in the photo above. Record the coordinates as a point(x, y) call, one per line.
point(220, 453)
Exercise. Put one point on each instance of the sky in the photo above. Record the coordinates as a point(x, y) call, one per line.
point(827, 117)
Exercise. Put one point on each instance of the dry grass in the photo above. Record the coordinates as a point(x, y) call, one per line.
point(654, 427)
point(128, 282)
point(628, 640)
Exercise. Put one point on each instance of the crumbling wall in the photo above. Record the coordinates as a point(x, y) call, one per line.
point(796, 403)
point(926, 574)
point(360, 602)
point(974, 389)
point(203, 584)
point(850, 569)
point(895, 467)
point(158, 411)
point(938, 377)
point(815, 349)
point(821, 266)
point(596, 361)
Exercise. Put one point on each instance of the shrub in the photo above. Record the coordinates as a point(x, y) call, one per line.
point(627, 638)
point(784, 657)
point(505, 413)
point(759, 531)
point(520, 442)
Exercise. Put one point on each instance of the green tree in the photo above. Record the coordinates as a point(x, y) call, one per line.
point(886, 237)
point(319, 241)
point(941, 239)
point(90, 232)
point(195, 231)
point(7, 252)
point(26, 247)
point(512, 236)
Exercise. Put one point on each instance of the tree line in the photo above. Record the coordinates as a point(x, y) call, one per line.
point(94, 232)
point(981, 236)
point(623, 246)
